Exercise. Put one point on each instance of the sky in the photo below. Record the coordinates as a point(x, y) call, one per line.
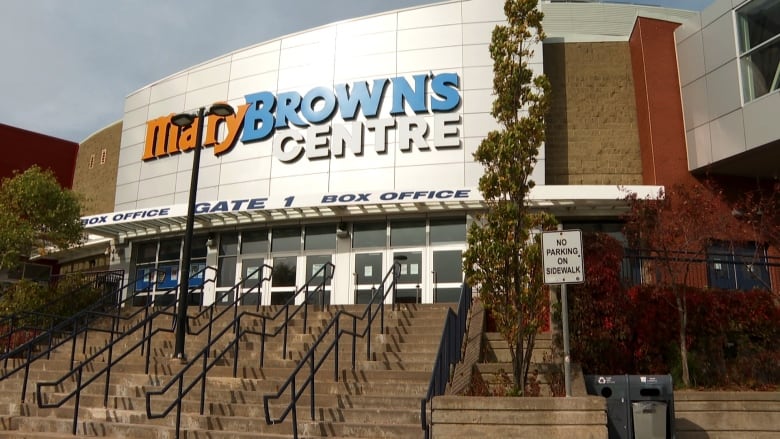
point(68, 65)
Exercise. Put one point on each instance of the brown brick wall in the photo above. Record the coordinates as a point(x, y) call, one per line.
point(592, 133)
point(96, 181)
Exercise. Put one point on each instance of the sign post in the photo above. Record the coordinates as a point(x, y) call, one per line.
point(563, 265)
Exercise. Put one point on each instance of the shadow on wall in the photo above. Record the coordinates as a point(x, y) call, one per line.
point(557, 133)
point(687, 429)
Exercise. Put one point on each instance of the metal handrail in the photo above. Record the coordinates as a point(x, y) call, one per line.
point(378, 297)
point(11, 321)
point(66, 331)
point(449, 353)
point(144, 344)
point(233, 305)
point(325, 272)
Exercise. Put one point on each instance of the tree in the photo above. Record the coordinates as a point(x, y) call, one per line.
point(759, 211)
point(674, 231)
point(37, 214)
point(503, 259)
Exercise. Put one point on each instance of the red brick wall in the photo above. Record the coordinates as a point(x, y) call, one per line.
point(658, 102)
point(21, 149)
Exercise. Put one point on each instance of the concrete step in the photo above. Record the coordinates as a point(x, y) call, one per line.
point(497, 349)
point(380, 398)
point(222, 408)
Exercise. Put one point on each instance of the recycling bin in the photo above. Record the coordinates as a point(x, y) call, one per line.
point(615, 389)
point(652, 406)
point(649, 419)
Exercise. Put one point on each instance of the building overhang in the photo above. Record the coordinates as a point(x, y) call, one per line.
point(562, 201)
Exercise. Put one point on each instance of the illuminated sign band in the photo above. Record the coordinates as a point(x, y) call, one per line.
point(298, 125)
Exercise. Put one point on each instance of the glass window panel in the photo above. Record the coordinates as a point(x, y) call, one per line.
point(448, 230)
point(407, 295)
point(226, 273)
point(741, 268)
point(369, 235)
point(321, 237)
point(228, 244)
point(368, 268)
point(284, 271)
point(761, 71)
point(411, 267)
point(255, 241)
point(199, 249)
point(168, 275)
point(252, 270)
point(758, 21)
point(170, 249)
point(448, 265)
point(144, 276)
point(285, 240)
point(364, 295)
point(448, 295)
point(147, 252)
point(197, 272)
point(407, 233)
point(314, 265)
point(282, 297)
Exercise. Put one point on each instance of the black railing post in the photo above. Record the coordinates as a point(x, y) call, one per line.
point(78, 400)
point(336, 358)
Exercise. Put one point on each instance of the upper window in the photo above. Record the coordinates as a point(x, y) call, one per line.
point(758, 25)
point(738, 267)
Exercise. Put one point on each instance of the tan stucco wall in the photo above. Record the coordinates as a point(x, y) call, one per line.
point(97, 184)
point(592, 133)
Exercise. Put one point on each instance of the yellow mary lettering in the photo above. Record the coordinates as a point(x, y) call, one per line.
point(234, 123)
point(160, 138)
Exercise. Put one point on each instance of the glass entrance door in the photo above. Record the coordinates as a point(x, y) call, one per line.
point(315, 265)
point(252, 274)
point(366, 275)
point(447, 275)
point(283, 279)
point(410, 279)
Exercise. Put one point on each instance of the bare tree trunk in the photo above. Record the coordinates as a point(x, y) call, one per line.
point(517, 365)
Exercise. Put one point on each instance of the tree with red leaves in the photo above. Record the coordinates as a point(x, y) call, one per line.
point(675, 230)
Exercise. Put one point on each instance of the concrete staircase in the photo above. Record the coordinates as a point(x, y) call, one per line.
point(495, 365)
point(380, 398)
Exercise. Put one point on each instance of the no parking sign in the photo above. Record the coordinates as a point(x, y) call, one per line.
point(563, 261)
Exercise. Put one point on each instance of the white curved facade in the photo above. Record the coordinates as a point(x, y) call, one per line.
point(403, 46)
point(352, 143)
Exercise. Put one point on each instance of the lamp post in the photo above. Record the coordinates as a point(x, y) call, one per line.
point(184, 120)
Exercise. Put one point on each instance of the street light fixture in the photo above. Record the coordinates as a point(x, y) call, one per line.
point(184, 120)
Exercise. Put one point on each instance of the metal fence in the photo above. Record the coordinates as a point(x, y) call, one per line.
point(742, 271)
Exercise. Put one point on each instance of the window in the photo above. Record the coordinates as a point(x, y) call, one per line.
point(103, 154)
point(448, 230)
point(92, 161)
point(254, 242)
point(286, 239)
point(369, 235)
point(321, 237)
point(758, 25)
point(737, 268)
point(228, 249)
point(407, 233)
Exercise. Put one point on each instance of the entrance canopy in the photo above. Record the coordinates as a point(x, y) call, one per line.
point(563, 201)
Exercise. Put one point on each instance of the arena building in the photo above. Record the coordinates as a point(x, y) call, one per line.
point(352, 143)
